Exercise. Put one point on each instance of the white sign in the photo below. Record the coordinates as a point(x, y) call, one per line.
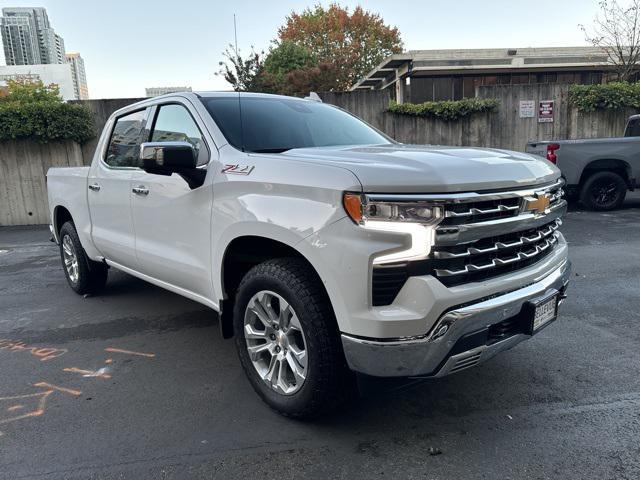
point(527, 108)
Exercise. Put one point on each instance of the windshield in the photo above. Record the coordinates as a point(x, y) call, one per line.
point(273, 125)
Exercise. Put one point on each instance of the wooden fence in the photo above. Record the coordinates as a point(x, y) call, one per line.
point(501, 129)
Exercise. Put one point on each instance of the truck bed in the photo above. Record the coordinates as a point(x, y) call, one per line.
point(574, 156)
point(67, 188)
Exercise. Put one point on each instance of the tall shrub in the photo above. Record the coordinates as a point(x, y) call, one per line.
point(445, 110)
point(34, 110)
point(614, 96)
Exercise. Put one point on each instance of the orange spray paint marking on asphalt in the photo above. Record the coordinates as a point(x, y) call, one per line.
point(129, 352)
point(43, 353)
point(31, 404)
point(70, 391)
point(36, 402)
point(88, 373)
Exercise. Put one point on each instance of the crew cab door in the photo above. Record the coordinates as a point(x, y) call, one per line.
point(109, 194)
point(173, 222)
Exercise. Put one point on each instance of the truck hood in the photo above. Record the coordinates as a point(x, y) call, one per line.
point(425, 169)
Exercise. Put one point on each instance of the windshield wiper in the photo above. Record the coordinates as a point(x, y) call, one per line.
point(270, 150)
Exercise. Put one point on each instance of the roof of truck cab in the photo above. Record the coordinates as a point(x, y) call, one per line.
point(244, 95)
point(154, 100)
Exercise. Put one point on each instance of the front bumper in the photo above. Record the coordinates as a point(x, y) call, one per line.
point(461, 338)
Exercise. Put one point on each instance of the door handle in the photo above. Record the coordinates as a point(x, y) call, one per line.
point(94, 187)
point(140, 190)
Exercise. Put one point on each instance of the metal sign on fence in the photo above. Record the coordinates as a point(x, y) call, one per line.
point(545, 111)
point(527, 108)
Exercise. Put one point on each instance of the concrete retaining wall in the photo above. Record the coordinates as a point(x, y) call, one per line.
point(23, 168)
point(24, 164)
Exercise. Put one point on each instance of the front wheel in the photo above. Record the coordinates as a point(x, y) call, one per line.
point(603, 191)
point(287, 339)
point(83, 274)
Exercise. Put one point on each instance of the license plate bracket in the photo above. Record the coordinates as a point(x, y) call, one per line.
point(541, 311)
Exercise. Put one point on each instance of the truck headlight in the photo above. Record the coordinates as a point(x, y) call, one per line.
point(415, 218)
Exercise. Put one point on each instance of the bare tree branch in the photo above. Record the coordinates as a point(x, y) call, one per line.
point(616, 30)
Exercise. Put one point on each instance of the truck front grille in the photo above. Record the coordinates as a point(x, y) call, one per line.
point(460, 213)
point(491, 256)
point(482, 235)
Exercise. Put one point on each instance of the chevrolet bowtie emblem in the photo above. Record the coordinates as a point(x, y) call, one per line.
point(538, 204)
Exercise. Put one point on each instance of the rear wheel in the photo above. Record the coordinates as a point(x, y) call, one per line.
point(83, 274)
point(603, 191)
point(288, 341)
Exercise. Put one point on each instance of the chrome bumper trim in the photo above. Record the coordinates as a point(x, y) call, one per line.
point(424, 356)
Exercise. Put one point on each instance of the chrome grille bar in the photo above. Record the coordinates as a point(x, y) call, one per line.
point(466, 197)
point(449, 235)
point(523, 240)
point(479, 211)
point(498, 262)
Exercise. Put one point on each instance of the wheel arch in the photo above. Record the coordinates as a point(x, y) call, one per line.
point(240, 255)
point(616, 165)
point(61, 215)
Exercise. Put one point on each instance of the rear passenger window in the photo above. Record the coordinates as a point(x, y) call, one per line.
point(174, 123)
point(633, 128)
point(125, 140)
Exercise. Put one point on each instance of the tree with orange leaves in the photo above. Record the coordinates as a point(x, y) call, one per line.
point(348, 44)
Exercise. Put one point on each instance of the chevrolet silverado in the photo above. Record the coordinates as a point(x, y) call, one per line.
point(326, 247)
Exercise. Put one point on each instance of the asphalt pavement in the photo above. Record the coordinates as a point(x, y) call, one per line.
point(137, 383)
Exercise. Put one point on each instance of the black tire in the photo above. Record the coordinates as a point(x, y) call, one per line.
point(603, 191)
point(91, 276)
point(329, 383)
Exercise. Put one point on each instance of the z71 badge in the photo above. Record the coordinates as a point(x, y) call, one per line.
point(238, 169)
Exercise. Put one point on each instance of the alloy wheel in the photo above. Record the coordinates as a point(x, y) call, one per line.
point(604, 193)
point(70, 258)
point(275, 342)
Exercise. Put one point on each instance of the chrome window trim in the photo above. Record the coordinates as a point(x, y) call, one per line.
point(148, 110)
point(152, 106)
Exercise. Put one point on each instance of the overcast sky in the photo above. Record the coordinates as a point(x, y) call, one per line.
point(128, 45)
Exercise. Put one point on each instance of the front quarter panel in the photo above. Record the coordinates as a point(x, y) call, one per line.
point(275, 197)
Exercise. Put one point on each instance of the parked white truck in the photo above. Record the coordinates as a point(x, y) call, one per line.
point(325, 247)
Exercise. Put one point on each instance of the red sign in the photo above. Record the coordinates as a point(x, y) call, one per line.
point(545, 111)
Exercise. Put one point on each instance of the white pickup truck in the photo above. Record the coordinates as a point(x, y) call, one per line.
point(326, 247)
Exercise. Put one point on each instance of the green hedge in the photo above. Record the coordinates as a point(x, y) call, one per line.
point(446, 110)
point(45, 121)
point(614, 96)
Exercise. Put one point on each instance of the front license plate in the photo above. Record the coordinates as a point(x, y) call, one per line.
point(544, 313)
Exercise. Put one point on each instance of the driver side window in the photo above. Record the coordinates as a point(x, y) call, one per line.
point(174, 123)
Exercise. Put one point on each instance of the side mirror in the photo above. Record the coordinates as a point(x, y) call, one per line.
point(166, 158)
